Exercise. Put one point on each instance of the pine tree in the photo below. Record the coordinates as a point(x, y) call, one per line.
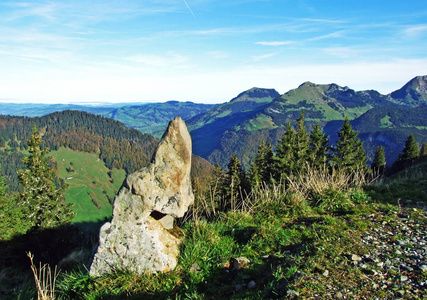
point(262, 166)
point(423, 151)
point(216, 188)
point(285, 159)
point(42, 202)
point(318, 148)
point(301, 147)
point(411, 150)
point(349, 154)
point(378, 164)
point(235, 182)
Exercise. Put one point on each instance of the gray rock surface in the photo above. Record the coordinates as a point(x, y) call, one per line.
point(137, 238)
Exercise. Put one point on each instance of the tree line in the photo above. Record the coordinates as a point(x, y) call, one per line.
point(297, 153)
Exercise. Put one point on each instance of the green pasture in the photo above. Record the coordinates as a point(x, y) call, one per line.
point(91, 185)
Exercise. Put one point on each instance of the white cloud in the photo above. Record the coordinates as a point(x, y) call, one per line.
point(274, 43)
point(416, 31)
point(264, 56)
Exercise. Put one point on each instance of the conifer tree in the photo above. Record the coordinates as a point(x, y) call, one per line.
point(285, 159)
point(423, 151)
point(42, 202)
point(236, 182)
point(302, 145)
point(318, 148)
point(9, 213)
point(378, 164)
point(411, 150)
point(261, 168)
point(217, 188)
point(349, 154)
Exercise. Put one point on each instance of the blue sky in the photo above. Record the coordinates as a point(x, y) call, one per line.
point(204, 50)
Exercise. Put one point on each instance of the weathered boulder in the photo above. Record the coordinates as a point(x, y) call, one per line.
point(137, 238)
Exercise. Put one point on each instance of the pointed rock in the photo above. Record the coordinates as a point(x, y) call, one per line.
point(137, 238)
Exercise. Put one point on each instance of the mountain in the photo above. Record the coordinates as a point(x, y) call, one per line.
point(240, 125)
point(153, 118)
point(208, 128)
point(414, 93)
point(38, 109)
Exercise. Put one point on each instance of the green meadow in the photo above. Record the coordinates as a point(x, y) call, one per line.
point(91, 185)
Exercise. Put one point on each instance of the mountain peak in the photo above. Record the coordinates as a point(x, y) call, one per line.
point(256, 93)
point(414, 92)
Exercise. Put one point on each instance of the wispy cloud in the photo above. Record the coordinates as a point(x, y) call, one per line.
point(167, 60)
point(416, 31)
point(274, 43)
point(264, 56)
point(336, 34)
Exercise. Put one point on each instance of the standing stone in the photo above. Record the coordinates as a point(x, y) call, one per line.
point(137, 238)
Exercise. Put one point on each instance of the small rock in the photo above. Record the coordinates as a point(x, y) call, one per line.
point(325, 273)
point(355, 257)
point(338, 295)
point(195, 268)
point(403, 278)
point(292, 293)
point(423, 267)
point(251, 284)
point(239, 262)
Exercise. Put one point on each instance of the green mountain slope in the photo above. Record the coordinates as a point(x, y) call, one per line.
point(207, 129)
point(414, 93)
point(239, 126)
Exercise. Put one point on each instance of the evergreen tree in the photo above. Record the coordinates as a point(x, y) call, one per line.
point(378, 164)
point(285, 159)
point(318, 148)
point(261, 168)
point(423, 151)
point(8, 213)
point(216, 188)
point(301, 147)
point(349, 154)
point(43, 204)
point(411, 150)
point(235, 182)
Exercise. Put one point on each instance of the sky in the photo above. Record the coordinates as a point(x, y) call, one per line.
point(205, 51)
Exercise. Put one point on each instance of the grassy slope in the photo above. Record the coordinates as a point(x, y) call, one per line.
point(90, 184)
point(294, 253)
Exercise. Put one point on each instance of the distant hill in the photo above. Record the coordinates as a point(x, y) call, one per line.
point(151, 118)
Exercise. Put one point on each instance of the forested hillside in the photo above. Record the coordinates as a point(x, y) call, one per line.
point(118, 146)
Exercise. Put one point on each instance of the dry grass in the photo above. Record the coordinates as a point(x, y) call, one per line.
point(45, 280)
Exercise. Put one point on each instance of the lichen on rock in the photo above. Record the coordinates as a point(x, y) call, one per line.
point(137, 238)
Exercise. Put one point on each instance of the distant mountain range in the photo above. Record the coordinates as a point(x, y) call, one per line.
point(239, 126)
